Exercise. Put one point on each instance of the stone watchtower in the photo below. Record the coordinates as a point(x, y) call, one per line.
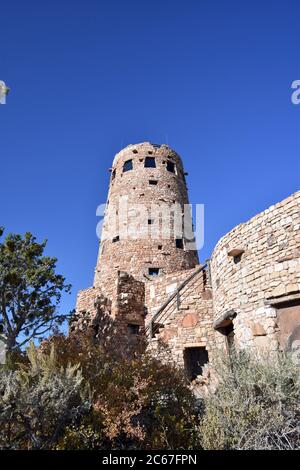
point(143, 178)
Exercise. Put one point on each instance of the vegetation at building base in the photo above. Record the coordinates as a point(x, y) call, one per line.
point(70, 394)
point(256, 404)
point(83, 392)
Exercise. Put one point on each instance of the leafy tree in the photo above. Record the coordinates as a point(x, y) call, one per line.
point(30, 290)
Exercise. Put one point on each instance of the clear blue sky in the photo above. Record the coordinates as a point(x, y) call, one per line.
point(210, 78)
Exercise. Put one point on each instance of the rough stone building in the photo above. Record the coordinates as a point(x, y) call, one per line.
point(152, 285)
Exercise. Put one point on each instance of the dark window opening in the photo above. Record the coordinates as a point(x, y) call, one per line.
point(135, 151)
point(171, 167)
point(96, 330)
point(153, 271)
point(150, 162)
point(150, 221)
point(113, 175)
point(179, 243)
point(150, 152)
point(159, 247)
point(237, 258)
point(194, 360)
point(133, 329)
point(227, 329)
point(127, 166)
point(153, 182)
point(229, 333)
point(116, 239)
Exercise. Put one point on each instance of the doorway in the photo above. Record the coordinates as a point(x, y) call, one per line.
point(194, 360)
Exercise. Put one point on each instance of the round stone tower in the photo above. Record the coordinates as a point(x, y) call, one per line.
point(147, 181)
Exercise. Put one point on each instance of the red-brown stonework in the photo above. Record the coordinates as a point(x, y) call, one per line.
point(189, 321)
point(248, 295)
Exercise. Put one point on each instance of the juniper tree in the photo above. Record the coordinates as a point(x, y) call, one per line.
point(30, 290)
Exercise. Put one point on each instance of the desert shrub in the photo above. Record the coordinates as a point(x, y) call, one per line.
point(256, 405)
point(38, 399)
point(137, 401)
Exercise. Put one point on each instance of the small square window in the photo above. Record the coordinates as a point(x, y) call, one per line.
point(153, 272)
point(150, 162)
point(159, 247)
point(153, 182)
point(116, 239)
point(133, 329)
point(179, 243)
point(127, 166)
point(171, 167)
point(150, 221)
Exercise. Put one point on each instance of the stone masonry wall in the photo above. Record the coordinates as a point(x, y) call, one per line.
point(265, 269)
point(186, 325)
point(132, 189)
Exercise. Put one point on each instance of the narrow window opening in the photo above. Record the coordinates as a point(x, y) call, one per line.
point(127, 166)
point(116, 239)
point(153, 271)
point(150, 162)
point(171, 167)
point(227, 329)
point(153, 182)
point(150, 221)
point(179, 243)
point(159, 247)
point(237, 258)
point(194, 360)
point(96, 330)
point(113, 175)
point(133, 329)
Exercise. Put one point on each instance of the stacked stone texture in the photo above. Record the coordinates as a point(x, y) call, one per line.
point(254, 269)
point(189, 318)
point(136, 256)
point(268, 269)
point(119, 251)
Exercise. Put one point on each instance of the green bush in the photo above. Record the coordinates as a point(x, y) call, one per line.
point(256, 405)
point(69, 394)
point(38, 399)
point(72, 394)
